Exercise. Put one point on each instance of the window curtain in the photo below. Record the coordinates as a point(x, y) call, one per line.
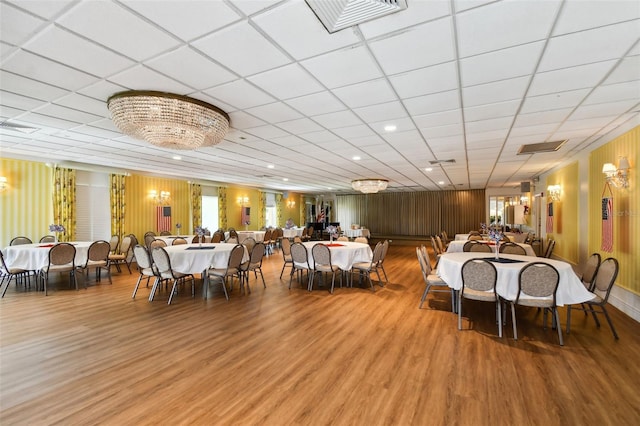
point(222, 207)
point(117, 205)
point(196, 205)
point(303, 215)
point(279, 221)
point(262, 210)
point(64, 201)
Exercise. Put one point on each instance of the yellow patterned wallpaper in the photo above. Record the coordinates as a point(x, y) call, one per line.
point(26, 206)
point(566, 216)
point(626, 208)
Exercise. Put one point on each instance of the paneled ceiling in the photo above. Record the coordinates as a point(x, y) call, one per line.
point(464, 80)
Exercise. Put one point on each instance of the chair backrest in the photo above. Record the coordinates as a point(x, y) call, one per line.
point(232, 240)
point(424, 267)
point(440, 244)
point(48, 239)
point(444, 236)
point(474, 232)
point(249, 243)
point(435, 246)
point(591, 270)
point(17, 241)
point(142, 257)
point(157, 243)
point(233, 233)
point(134, 240)
point(153, 234)
point(385, 249)
point(196, 239)
point(161, 260)
point(512, 248)
point(3, 266)
point(286, 247)
point(113, 243)
point(125, 245)
point(62, 254)
point(299, 254)
point(257, 254)
point(321, 254)
point(479, 274)
point(235, 258)
point(474, 237)
point(148, 239)
point(98, 250)
point(481, 248)
point(310, 231)
point(165, 233)
point(267, 235)
point(538, 279)
point(343, 238)
point(217, 237)
point(362, 240)
point(378, 251)
point(606, 277)
point(550, 246)
point(297, 239)
point(178, 241)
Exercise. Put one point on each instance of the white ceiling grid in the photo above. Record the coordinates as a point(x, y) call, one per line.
point(468, 80)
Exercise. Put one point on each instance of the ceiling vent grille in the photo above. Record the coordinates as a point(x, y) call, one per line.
point(534, 148)
point(18, 127)
point(336, 15)
point(450, 161)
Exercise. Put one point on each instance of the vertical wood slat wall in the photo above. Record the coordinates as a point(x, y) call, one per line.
point(416, 213)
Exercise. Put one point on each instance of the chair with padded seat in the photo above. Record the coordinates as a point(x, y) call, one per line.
point(254, 264)
point(230, 271)
point(343, 238)
point(479, 278)
point(17, 241)
point(217, 237)
point(61, 259)
point(249, 243)
point(48, 239)
point(366, 268)
point(113, 244)
point(362, 240)
point(122, 257)
point(322, 263)
point(178, 241)
point(550, 247)
point(300, 258)
point(7, 274)
point(475, 246)
point(432, 281)
point(286, 255)
point(512, 248)
point(166, 273)
point(98, 259)
point(145, 267)
point(165, 233)
point(157, 243)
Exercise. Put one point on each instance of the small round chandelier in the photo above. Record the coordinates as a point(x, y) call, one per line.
point(168, 120)
point(369, 185)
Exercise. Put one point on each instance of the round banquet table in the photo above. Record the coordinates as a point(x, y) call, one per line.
point(196, 258)
point(458, 245)
point(292, 232)
point(344, 253)
point(243, 235)
point(32, 257)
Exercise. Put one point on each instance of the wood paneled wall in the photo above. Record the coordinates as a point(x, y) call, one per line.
point(413, 213)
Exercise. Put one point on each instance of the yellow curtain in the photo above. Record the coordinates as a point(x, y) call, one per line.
point(118, 205)
point(64, 202)
point(222, 207)
point(196, 205)
point(279, 221)
point(262, 210)
point(303, 214)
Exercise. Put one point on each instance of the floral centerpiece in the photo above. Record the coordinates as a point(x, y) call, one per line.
point(483, 228)
point(178, 226)
point(332, 231)
point(289, 224)
point(57, 229)
point(200, 232)
point(496, 236)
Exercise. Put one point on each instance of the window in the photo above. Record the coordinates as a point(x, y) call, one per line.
point(93, 206)
point(209, 212)
point(271, 217)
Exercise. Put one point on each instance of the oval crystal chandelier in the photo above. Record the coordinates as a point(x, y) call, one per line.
point(168, 120)
point(369, 185)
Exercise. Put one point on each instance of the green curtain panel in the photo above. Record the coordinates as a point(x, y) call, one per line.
point(118, 205)
point(279, 221)
point(262, 210)
point(222, 207)
point(196, 205)
point(64, 202)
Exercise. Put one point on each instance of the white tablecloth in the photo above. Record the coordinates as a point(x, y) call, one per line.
point(457, 247)
point(344, 253)
point(292, 232)
point(170, 238)
point(243, 235)
point(570, 288)
point(353, 233)
point(464, 237)
point(190, 259)
point(36, 256)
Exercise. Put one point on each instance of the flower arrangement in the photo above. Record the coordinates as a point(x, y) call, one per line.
point(289, 224)
point(178, 225)
point(495, 235)
point(200, 231)
point(331, 230)
point(483, 228)
point(56, 228)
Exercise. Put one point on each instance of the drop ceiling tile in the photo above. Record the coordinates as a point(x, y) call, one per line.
point(65, 113)
point(519, 22)
point(320, 136)
point(366, 141)
point(489, 124)
point(438, 119)
point(387, 111)
point(600, 44)
point(43, 8)
point(568, 99)
point(187, 23)
point(495, 110)
point(140, 77)
point(201, 73)
point(242, 120)
point(359, 131)
point(615, 92)
point(17, 84)
point(368, 93)
point(266, 131)
point(609, 109)
point(241, 94)
point(627, 70)
point(403, 124)
point(242, 49)
point(335, 120)
point(578, 15)
point(417, 12)
point(494, 137)
point(63, 47)
point(317, 103)
point(443, 131)
point(542, 117)
point(498, 91)
point(424, 81)
point(286, 82)
point(304, 35)
point(427, 44)
point(249, 7)
point(276, 112)
point(300, 126)
point(437, 102)
point(343, 67)
point(17, 26)
point(23, 103)
point(101, 90)
point(540, 129)
point(569, 78)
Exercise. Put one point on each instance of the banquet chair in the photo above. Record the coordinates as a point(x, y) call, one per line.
point(537, 287)
point(512, 248)
point(48, 239)
point(233, 234)
point(440, 244)
point(232, 240)
point(297, 239)
point(383, 256)
point(122, 258)
point(343, 238)
point(232, 270)
point(431, 280)
point(475, 237)
point(267, 240)
point(178, 241)
point(145, 267)
point(322, 263)
point(286, 255)
point(156, 243)
point(165, 233)
point(61, 259)
point(604, 280)
point(254, 264)
point(365, 268)
point(148, 239)
point(362, 240)
point(479, 283)
point(589, 271)
point(113, 244)
point(149, 233)
point(7, 274)
point(277, 237)
point(249, 243)
point(301, 263)
point(549, 251)
point(97, 258)
point(474, 246)
point(217, 237)
point(196, 239)
point(435, 247)
point(307, 234)
point(17, 241)
point(165, 273)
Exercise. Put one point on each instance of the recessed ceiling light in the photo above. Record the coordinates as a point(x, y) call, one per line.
point(428, 169)
point(355, 157)
point(177, 157)
point(270, 166)
point(390, 128)
point(328, 187)
point(441, 182)
point(285, 179)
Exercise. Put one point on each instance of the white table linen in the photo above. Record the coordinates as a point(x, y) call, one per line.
point(243, 235)
point(190, 259)
point(570, 288)
point(32, 257)
point(457, 247)
point(168, 239)
point(464, 237)
point(292, 232)
point(344, 253)
point(353, 233)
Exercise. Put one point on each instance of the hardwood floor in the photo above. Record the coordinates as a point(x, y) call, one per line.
point(281, 357)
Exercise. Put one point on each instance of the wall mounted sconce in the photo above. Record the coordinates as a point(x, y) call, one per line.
point(3, 183)
point(161, 198)
point(243, 200)
point(554, 192)
point(617, 176)
point(291, 204)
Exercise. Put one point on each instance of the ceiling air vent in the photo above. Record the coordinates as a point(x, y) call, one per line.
point(450, 161)
point(336, 15)
point(18, 127)
point(534, 148)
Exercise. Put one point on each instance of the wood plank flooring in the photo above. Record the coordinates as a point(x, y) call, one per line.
point(290, 357)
